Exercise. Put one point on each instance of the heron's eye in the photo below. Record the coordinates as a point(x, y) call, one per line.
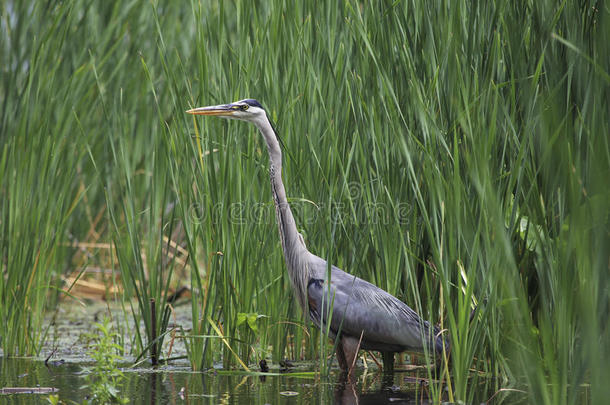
point(244, 107)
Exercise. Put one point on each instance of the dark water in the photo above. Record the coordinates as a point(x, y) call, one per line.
point(179, 385)
point(176, 384)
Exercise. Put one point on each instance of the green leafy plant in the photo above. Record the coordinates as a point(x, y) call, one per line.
point(105, 376)
point(248, 327)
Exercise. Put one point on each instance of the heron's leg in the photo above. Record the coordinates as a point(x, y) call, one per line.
point(388, 362)
point(440, 363)
point(341, 356)
point(350, 351)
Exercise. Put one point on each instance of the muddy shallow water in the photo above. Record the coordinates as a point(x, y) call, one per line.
point(170, 385)
point(67, 372)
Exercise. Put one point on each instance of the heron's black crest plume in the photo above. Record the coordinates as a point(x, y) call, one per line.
point(253, 103)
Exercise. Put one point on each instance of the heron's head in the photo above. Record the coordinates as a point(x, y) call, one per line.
point(245, 110)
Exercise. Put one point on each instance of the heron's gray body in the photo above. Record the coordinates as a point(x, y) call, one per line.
point(358, 308)
point(361, 315)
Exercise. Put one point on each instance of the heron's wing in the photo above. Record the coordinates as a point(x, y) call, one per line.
point(359, 308)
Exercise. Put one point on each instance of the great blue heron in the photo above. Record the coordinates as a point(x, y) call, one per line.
point(362, 316)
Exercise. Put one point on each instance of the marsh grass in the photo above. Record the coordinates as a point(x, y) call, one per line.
point(455, 155)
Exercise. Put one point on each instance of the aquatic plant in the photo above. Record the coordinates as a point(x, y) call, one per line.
point(105, 376)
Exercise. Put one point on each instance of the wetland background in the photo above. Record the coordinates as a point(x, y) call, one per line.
point(453, 153)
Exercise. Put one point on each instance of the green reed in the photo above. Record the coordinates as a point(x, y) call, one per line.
point(454, 154)
point(39, 188)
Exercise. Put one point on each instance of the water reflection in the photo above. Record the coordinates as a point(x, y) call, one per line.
point(348, 393)
point(178, 385)
point(153, 385)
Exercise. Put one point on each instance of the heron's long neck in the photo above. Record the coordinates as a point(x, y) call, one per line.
point(294, 248)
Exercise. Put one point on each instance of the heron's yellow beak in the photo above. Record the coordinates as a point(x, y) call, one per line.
point(224, 109)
